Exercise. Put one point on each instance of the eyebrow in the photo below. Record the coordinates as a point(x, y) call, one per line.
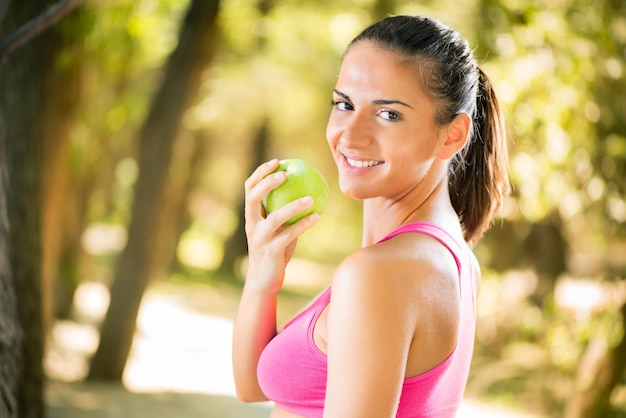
point(377, 102)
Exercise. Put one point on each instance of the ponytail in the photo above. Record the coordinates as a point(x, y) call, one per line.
point(478, 175)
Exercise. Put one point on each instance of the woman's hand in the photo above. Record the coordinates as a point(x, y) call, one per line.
point(270, 244)
point(270, 247)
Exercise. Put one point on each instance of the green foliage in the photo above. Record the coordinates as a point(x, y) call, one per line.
point(559, 68)
point(124, 44)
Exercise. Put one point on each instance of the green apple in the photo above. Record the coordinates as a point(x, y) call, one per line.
point(303, 179)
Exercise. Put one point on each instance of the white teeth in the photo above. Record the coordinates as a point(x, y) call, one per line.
point(360, 164)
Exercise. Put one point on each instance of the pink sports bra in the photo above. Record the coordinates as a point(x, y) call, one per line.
point(292, 370)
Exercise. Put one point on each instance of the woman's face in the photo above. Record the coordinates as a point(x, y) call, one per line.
point(381, 129)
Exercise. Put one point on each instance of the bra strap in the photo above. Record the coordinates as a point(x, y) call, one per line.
point(435, 231)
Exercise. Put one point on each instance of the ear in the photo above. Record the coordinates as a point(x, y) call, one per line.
point(455, 136)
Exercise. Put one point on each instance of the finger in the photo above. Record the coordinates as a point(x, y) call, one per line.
point(260, 173)
point(270, 227)
point(280, 216)
point(289, 234)
point(255, 195)
point(276, 239)
point(253, 207)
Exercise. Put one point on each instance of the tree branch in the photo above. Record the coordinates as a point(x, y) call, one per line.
point(30, 30)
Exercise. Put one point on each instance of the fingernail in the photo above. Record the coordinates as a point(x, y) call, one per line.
point(278, 175)
point(306, 200)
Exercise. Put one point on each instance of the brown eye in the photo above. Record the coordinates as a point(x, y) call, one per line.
point(390, 115)
point(342, 105)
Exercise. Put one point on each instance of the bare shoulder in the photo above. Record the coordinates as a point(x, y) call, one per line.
point(397, 304)
point(408, 270)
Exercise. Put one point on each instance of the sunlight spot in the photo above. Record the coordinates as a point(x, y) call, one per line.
point(525, 69)
point(525, 115)
point(592, 112)
point(343, 28)
point(570, 205)
point(617, 208)
point(89, 401)
point(582, 165)
point(307, 276)
point(608, 166)
point(533, 318)
point(517, 286)
point(199, 252)
point(127, 171)
point(595, 188)
point(614, 68)
point(71, 345)
point(556, 186)
point(527, 170)
point(566, 94)
point(618, 28)
point(203, 113)
point(530, 207)
point(524, 165)
point(618, 396)
point(506, 92)
point(178, 349)
point(558, 143)
point(525, 354)
point(469, 409)
point(509, 209)
point(506, 46)
point(80, 338)
point(577, 295)
point(100, 238)
point(91, 300)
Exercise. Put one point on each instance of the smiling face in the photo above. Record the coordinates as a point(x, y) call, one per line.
point(381, 130)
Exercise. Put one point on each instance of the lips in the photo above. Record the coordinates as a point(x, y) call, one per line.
point(362, 163)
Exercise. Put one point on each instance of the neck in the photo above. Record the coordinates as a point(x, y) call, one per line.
point(382, 216)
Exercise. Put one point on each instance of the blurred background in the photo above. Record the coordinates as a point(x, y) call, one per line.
point(131, 125)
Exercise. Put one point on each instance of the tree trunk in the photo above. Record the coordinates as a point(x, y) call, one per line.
point(21, 84)
point(545, 250)
point(592, 399)
point(175, 218)
point(61, 97)
point(23, 78)
point(10, 334)
point(181, 80)
point(236, 245)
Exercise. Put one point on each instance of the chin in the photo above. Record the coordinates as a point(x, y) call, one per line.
point(357, 193)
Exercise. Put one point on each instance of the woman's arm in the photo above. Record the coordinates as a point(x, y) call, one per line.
point(270, 247)
point(393, 313)
point(255, 326)
point(369, 332)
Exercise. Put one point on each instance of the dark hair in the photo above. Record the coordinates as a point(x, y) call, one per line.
point(478, 178)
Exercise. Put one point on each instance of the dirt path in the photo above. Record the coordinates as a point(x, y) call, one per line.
point(97, 400)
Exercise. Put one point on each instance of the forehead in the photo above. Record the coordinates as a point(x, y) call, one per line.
point(369, 68)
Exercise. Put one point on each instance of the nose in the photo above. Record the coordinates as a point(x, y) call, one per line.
point(350, 130)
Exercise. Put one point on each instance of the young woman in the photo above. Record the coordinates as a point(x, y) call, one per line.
point(417, 135)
